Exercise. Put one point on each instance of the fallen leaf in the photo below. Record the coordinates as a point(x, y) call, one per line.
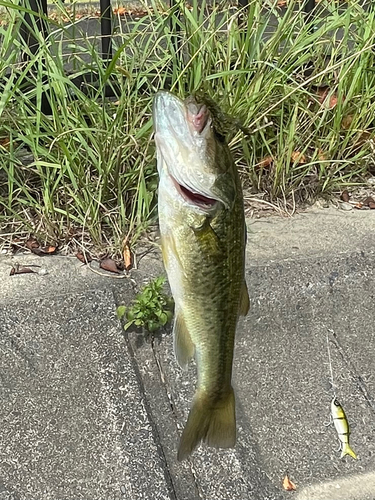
point(372, 205)
point(84, 257)
point(266, 162)
point(109, 265)
point(332, 101)
point(47, 250)
point(32, 243)
point(288, 485)
point(345, 196)
point(298, 157)
point(120, 11)
point(20, 270)
point(127, 257)
point(329, 102)
point(368, 200)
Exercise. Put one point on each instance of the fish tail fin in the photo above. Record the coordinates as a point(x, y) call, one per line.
point(211, 421)
point(346, 450)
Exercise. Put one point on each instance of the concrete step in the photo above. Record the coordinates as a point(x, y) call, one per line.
point(88, 411)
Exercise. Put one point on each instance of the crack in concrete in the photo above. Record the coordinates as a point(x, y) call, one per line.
point(174, 413)
point(353, 372)
point(157, 438)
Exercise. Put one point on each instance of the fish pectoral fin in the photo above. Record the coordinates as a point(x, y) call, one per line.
point(244, 300)
point(182, 344)
point(211, 422)
point(207, 237)
point(346, 450)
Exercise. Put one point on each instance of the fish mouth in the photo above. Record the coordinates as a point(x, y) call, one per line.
point(194, 198)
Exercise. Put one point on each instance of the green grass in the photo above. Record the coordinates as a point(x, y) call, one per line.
point(87, 172)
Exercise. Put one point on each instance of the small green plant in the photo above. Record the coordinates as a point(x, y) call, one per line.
point(151, 308)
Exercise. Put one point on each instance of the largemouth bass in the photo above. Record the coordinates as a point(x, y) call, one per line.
point(203, 237)
point(342, 427)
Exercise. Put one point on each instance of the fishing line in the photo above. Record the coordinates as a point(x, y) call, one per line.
point(330, 364)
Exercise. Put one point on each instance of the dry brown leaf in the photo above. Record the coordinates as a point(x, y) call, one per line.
point(127, 257)
point(368, 200)
point(47, 250)
point(281, 3)
point(20, 270)
point(372, 205)
point(84, 257)
point(345, 196)
point(298, 157)
point(109, 265)
point(32, 243)
point(332, 101)
point(288, 485)
point(328, 102)
point(120, 11)
point(266, 162)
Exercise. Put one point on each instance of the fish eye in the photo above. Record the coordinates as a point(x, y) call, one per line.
point(336, 402)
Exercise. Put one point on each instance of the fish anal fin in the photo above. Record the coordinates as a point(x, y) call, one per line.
point(244, 300)
point(183, 345)
point(211, 422)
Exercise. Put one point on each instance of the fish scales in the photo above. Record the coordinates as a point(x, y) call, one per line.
point(202, 227)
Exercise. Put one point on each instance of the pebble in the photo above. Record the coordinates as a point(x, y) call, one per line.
point(343, 205)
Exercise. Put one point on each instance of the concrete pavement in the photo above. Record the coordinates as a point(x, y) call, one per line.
point(89, 411)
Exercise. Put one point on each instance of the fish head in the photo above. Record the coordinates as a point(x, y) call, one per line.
point(192, 154)
point(335, 406)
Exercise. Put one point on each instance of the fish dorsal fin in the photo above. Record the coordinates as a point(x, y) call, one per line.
point(182, 344)
point(244, 300)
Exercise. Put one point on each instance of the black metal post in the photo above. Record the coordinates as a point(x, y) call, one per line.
point(106, 28)
point(33, 22)
point(27, 27)
point(308, 7)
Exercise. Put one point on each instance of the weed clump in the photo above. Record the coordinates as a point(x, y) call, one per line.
point(151, 309)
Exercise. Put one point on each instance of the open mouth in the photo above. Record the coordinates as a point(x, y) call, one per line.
point(195, 198)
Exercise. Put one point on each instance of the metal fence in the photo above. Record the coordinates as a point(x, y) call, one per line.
point(37, 12)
